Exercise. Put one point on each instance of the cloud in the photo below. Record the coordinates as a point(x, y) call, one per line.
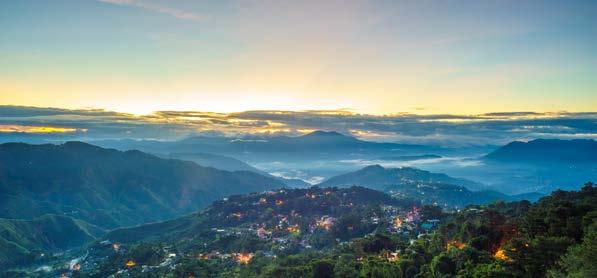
point(440, 130)
point(177, 13)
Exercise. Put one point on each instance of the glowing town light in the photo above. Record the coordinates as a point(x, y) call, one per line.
point(500, 254)
point(294, 229)
point(130, 263)
point(325, 222)
point(397, 222)
point(116, 246)
point(279, 202)
point(455, 244)
point(244, 258)
point(392, 256)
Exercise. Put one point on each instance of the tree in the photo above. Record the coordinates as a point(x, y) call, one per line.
point(579, 261)
point(442, 264)
point(323, 268)
point(541, 254)
point(345, 267)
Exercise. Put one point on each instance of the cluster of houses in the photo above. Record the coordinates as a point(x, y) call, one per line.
point(283, 228)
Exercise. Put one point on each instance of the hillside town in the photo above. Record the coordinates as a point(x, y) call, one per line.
point(271, 224)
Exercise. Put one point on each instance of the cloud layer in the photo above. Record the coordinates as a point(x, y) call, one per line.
point(443, 130)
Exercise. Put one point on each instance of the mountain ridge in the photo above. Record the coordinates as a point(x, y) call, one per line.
point(546, 151)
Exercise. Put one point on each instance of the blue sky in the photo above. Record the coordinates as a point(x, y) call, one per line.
point(374, 57)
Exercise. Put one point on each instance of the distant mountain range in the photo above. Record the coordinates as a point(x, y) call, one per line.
point(317, 141)
point(424, 186)
point(311, 146)
point(543, 151)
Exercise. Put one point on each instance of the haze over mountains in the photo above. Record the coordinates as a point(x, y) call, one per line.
point(311, 146)
point(232, 164)
point(320, 155)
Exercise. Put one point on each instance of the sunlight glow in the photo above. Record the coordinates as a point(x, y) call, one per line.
point(37, 129)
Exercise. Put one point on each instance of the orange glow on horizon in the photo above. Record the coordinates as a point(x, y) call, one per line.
point(37, 129)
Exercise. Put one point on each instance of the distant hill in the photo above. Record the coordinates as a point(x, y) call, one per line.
point(378, 177)
point(547, 151)
point(110, 188)
point(421, 185)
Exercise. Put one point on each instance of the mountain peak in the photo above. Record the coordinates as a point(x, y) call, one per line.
point(78, 144)
point(375, 167)
point(321, 133)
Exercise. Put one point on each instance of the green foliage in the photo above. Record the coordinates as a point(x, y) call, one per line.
point(580, 260)
point(373, 267)
point(346, 266)
point(490, 270)
point(442, 265)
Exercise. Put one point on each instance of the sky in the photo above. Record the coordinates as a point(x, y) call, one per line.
point(366, 57)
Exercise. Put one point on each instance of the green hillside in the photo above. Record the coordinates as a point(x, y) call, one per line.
point(110, 188)
point(37, 239)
